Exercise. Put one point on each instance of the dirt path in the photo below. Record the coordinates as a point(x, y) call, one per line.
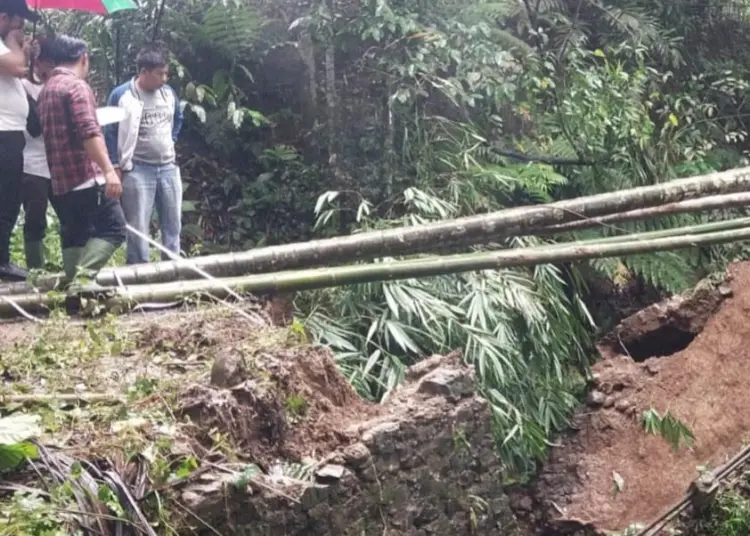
point(704, 385)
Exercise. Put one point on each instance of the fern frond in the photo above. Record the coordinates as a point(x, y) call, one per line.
point(231, 29)
point(667, 270)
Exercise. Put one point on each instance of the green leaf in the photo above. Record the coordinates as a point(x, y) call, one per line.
point(11, 456)
point(18, 428)
point(246, 476)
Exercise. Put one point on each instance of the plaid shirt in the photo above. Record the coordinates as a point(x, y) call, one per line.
point(67, 111)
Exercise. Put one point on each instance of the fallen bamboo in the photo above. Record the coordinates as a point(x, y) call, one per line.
point(46, 398)
point(462, 232)
point(701, 228)
point(126, 297)
point(703, 204)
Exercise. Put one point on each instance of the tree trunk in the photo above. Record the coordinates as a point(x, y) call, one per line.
point(122, 298)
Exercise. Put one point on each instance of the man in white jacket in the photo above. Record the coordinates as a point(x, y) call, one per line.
point(142, 148)
point(14, 110)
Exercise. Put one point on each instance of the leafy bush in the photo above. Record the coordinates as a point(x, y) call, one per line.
point(525, 331)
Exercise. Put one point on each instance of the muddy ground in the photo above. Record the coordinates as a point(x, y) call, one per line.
point(278, 400)
point(688, 356)
point(182, 406)
point(269, 376)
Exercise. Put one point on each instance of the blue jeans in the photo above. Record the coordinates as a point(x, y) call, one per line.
point(145, 188)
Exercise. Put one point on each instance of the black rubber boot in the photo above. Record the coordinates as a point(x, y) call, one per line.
point(11, 272)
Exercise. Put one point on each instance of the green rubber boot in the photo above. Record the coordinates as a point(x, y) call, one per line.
point(92, 259)
point(70, 258)
point(95, 255)
point(34, 255)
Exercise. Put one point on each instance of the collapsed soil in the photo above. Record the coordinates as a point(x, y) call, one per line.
point(289, 403)
point(703, 385)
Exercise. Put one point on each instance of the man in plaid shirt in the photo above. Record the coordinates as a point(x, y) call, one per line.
point(85, 187)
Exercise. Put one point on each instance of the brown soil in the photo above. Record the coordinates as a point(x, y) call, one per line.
point(290, 401)
point(703, 385)
point(293, 404)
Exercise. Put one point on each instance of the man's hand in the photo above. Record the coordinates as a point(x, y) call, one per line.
point(112, 184)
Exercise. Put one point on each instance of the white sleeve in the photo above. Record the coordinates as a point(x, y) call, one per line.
point(3, 48)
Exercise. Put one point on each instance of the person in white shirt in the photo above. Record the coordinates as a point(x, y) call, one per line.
point(37, 186)
point(14, 109)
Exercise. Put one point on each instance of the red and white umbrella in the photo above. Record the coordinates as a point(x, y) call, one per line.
point(103, 7)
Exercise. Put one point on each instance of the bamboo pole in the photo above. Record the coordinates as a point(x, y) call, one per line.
point(714, 202)
point(463, 232)
point(67, 398)
point(736, 223)
point(125, 297)
point(584, 212)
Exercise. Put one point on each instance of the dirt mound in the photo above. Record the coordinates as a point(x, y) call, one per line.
point(289, 405)
point(283, 401)
point(609, 473)
point(426, 464)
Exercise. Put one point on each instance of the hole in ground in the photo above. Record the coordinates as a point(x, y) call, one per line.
point(664, 341)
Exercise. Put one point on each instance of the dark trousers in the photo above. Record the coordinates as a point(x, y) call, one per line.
point(11, 178)
point(86, 214)
point(35, 195)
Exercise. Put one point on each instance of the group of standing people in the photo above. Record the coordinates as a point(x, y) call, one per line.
point(100, 181)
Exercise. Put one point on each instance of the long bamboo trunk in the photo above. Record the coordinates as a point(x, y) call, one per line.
point(703, 204)
point(123, 298)
point(461, 232)
point(702, 228)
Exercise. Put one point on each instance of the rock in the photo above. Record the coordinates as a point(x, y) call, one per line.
point(424, 367)
point(522, 503)
point(595, 398)
point(331, 472)
point(356, 455)
point(453, 384)
point(375, 433)
point(609, 402)
point(403, 472)
point(725, 291)
point(228, 369)
point(623, 405)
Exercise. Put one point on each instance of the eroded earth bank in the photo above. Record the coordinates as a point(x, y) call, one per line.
point(276, 442)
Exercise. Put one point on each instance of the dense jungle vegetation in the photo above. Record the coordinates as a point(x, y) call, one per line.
point(310, 119)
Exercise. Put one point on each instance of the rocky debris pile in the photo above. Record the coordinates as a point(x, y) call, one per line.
point(423, 463)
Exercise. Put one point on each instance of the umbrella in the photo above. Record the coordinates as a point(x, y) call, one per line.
point(95, 6)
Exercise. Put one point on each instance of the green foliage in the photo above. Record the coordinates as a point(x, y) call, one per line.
point(673, 430)
point(32, 514)
point(15, 431)
point(729, 516)
point(525, 331)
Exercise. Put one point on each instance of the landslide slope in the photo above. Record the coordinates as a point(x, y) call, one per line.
point(689, 356)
